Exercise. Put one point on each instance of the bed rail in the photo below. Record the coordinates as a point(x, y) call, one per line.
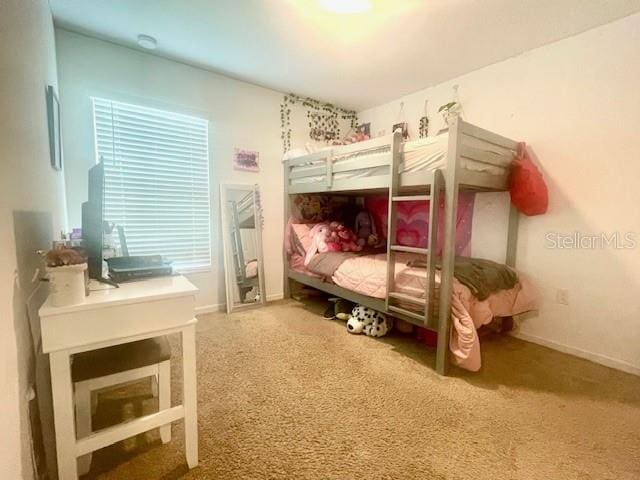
point(321, 172)
point(367, 165)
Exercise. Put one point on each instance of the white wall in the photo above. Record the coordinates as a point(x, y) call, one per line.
point(577, 104)
point(241, 115)
point(32, 208)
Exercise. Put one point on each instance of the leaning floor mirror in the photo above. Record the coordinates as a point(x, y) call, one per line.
point(242, 242)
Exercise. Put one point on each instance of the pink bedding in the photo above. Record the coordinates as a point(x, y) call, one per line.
point(367, 275)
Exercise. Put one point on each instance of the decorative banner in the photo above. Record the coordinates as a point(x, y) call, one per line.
point(246, 160)
point(323, 127)
point(323, 119)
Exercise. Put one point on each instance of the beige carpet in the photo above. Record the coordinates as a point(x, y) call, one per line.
point(284, 394)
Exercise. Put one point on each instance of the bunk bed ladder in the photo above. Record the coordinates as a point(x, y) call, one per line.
point(426, 317)
point(430, 308)
point(394, 183)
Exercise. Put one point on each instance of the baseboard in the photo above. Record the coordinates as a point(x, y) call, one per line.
point(221, 307)
point(577, 352)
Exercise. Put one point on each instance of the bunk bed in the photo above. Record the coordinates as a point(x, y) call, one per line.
point(243, 217)
point(465, 158)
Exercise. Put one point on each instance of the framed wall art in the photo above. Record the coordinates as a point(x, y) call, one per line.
point(247, 160)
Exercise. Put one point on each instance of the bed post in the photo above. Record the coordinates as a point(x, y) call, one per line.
point(286, 292)
point(512, 236)
point(449, 251)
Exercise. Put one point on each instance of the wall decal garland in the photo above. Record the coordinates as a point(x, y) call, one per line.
point(323, 119)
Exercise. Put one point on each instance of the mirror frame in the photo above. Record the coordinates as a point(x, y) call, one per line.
point(229, 274)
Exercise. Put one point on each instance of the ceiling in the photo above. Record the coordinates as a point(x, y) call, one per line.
point(356, 60)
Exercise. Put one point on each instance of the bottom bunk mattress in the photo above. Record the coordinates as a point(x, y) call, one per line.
point(366, 274)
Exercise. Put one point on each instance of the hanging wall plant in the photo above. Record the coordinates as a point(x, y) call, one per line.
point(424, 122)
point(424, 127)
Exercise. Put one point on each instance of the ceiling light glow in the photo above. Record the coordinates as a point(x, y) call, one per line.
point(346, 7)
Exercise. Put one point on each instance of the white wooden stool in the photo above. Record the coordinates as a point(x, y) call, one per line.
point(95, 370)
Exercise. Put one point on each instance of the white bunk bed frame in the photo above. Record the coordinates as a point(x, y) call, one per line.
point(466, 141)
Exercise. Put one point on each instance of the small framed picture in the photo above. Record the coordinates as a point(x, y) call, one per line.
point(402, 126)
point(364, 129)
point(246, 160)
point(53, 118)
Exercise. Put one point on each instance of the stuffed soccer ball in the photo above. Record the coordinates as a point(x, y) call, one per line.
point(368, 321)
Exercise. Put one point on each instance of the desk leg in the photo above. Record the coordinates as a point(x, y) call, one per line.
point(83, 422)
point(62, 391)
point(189, 394)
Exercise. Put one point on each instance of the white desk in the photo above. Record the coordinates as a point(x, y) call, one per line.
point(112, 316)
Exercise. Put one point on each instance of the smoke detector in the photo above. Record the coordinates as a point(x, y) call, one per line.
point(147, 42)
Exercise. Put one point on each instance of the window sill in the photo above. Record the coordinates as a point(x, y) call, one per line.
point(190, 270)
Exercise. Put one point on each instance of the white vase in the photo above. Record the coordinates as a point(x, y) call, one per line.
point(67, 284)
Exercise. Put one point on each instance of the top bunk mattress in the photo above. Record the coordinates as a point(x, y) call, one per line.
point(417, 155)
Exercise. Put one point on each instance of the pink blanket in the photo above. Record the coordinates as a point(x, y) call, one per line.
point(367, 275)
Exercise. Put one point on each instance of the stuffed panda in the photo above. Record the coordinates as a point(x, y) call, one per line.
point(368, 321)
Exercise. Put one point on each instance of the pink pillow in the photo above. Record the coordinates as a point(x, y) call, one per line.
point(302, 231)
point(412, 224)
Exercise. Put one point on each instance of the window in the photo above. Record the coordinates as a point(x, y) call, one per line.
point(156, 180)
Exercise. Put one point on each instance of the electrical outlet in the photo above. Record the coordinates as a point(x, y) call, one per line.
point(382, 133)
point(562, 296)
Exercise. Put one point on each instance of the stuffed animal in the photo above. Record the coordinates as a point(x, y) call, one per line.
point(356, 137)
point(331, 237)
point(368, 321)
point(318, 234)
point(366, 229)
point(343, 238)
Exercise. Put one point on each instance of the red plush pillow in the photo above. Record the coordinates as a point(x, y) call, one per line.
point(527, 187)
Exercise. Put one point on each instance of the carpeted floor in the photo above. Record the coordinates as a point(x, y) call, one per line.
point(284, 394)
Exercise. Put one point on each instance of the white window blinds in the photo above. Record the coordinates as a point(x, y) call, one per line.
point(156, 180)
